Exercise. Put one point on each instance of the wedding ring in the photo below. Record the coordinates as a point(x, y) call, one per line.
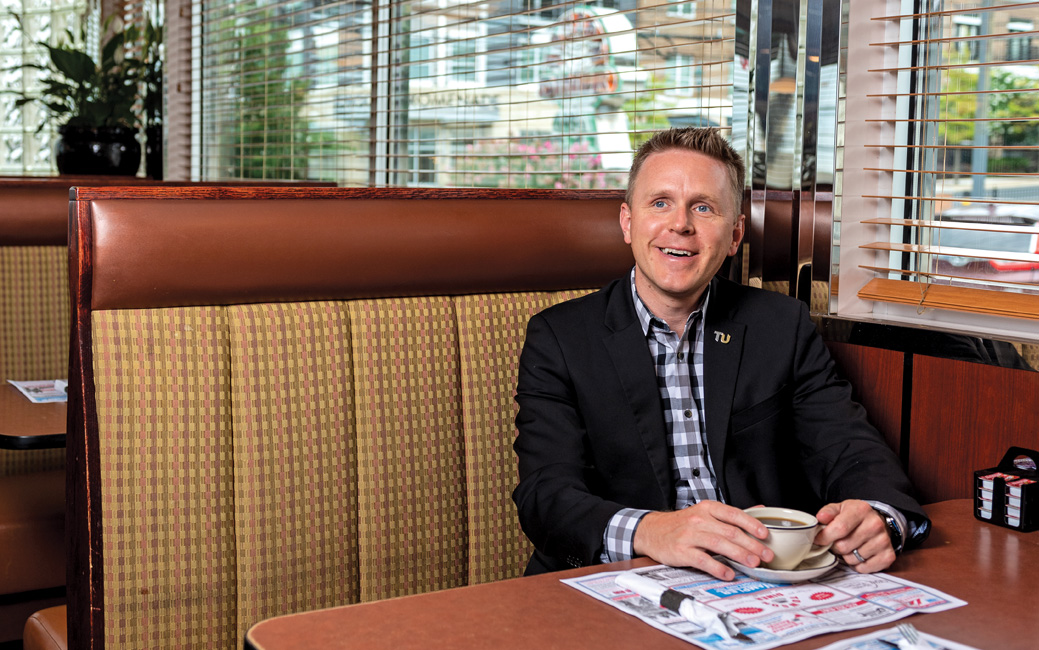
point(858, 556)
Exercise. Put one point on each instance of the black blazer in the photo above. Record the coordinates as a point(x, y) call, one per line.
point(782, 429)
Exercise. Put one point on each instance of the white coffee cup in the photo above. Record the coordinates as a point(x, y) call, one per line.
point(791, 534)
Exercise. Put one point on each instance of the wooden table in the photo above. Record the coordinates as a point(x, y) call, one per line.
point(994, 569)
point(25, 425)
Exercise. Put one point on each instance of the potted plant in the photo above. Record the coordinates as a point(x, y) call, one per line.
point(93, 101)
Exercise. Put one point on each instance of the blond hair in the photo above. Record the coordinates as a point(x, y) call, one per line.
point(707, 141)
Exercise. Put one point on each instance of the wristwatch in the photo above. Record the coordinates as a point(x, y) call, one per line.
point(893, 531)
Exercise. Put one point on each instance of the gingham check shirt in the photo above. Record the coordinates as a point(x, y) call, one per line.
point(679, 366)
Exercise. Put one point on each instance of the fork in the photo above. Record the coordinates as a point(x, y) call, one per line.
point(909, 633)
point(730, 626)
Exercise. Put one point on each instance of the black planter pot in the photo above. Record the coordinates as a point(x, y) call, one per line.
point(153, 151)
point(110, 150)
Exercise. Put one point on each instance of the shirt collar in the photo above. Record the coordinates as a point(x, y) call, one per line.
point(647, 318)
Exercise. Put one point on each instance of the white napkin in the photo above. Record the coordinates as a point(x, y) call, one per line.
point(691, 610)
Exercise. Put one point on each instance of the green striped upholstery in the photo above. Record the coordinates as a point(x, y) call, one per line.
point(34, 332)
point(295, 497)
point(411, 463)
point(819, 299)
point(16, 461)
point(167, 491)
point(491, 331)
point(34, 312)
point(263, 459)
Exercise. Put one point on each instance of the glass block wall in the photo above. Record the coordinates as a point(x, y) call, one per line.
point(25, 147)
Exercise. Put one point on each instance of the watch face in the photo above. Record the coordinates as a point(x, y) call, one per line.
point(893, 532)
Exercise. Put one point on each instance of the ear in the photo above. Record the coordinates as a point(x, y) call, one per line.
point(737, 234)
point(626, 222)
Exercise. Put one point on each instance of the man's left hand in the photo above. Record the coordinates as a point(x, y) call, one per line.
point(858, 534)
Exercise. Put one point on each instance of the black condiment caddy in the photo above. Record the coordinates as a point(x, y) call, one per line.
point(1008, 495)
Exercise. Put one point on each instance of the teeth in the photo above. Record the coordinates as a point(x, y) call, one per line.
point(674, 251)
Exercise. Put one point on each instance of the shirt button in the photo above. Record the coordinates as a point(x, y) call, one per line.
point(696, 472)
point(681, 356)
point(687, 413)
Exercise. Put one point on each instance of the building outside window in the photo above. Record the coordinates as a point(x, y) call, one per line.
point(515, 93)
point(422, 164)
point(463, 62)
point(684, 72)
point(681, 8)
point(422, 58)
point(967, 29)
point(1019, 45)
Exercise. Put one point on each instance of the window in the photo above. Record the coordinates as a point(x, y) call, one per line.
point(1019, 45)
point(681, 8)
point(462, 60)
point(420, 58)
point(530, 60)
point(939, 213)
point(423, 158)
point(685, 74)
point(966, 32)
point(495, 93)
point(25, 148)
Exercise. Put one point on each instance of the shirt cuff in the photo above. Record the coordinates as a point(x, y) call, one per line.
point(618, 538)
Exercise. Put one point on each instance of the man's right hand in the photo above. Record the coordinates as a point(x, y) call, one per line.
point(689, 538)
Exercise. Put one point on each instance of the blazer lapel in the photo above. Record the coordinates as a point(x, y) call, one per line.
point(722, 351)
point(626, 344)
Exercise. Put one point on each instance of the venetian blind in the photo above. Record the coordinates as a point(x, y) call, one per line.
point(140, 14)
point(144, 22)
point(433, 93)
point(962, 233)
point(136, 12)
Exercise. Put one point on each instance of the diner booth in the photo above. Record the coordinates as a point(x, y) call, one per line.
point(153, 353)
point(290, 405)
point(34, 345)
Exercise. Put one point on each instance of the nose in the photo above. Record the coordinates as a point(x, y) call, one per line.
point(682, 221)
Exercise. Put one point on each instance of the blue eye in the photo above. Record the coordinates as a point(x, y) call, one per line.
point(659, 203)
point(702, 208)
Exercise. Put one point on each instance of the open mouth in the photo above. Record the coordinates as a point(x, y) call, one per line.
point(675, 252)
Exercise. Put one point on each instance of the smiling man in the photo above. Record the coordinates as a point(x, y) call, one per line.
point(653, 411)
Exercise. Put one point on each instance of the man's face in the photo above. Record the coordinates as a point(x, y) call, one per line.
point(681, 226)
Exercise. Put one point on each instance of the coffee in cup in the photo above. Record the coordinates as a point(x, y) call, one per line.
point(791, 534)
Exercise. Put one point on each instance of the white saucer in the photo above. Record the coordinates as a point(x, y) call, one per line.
point(812, 568)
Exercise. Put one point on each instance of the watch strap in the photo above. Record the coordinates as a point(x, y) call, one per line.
point(894, 531)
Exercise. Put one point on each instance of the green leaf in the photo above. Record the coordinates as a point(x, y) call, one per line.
point(108, 52)
point(57, 88)
point(94, 114)
point(57, 108)
point(75, 65)
point(24, 66)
